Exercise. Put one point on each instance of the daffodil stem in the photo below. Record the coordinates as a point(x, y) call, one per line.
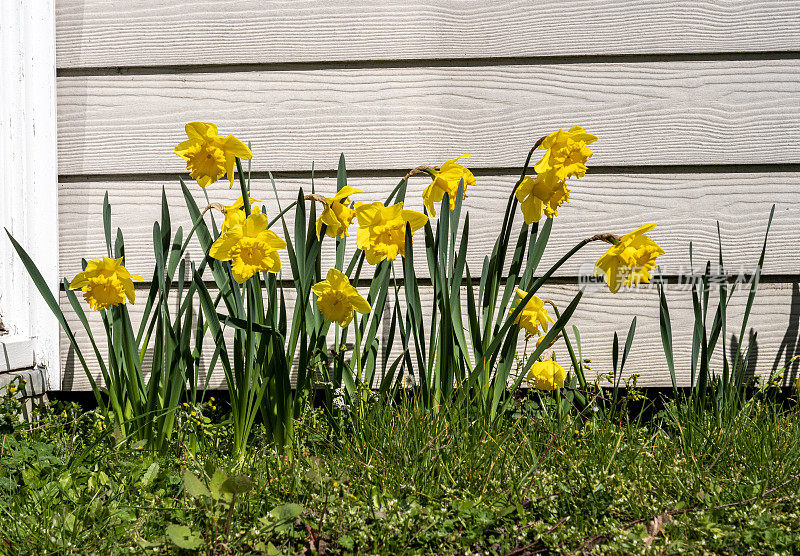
point(284, 211)
point(528, 162)
point(608, 238)
point(420, 170)
point(542, 279)
point(243, 185)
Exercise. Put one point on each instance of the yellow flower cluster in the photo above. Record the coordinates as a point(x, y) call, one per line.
point(235, 214)
point(251, 248)
point(630, 261)
point(381, 235)
point(246, 241)
point(566, 156)
point(547, 375)
point(105, 282)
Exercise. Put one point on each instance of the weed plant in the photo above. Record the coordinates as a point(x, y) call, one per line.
point(409, 480)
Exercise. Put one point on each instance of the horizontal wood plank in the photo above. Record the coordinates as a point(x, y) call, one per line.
point(774, 318)
point(686, 207)
point(654, 113)
point(102, 33)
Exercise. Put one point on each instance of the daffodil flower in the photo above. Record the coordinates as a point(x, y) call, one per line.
point(105, 282)
point(567, 154)
point(630, 261)
point(209, 156)
point(250, 247)
point(235, 215)
point(547, 375)
point(538, 197)
point(337, 214)
point(447, 180)
point(533, 315)
point(338, 300)
point(382, 230)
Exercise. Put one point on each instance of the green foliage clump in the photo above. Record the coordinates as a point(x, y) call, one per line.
point(407, 480)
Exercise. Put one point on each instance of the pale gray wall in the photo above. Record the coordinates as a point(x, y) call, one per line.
point(696, 106)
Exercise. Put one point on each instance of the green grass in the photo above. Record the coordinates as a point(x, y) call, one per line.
point(405, 480)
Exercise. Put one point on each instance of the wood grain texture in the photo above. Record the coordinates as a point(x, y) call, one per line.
point(653, 113)
point(102, 33)
point(686, 207)
point(775, 317)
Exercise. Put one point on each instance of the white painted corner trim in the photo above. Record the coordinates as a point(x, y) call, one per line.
point(29, 174)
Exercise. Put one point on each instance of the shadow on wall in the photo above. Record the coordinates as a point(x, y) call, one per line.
point(68, 375)
point(790, 345)
point(752, 355)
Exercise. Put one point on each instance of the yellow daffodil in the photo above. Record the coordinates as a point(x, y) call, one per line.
point(209, 155)
point(537, 197)
point(446, 180)
point(105, 282)
point(532, 315)
point(629, 261)
point(338, 300)
point(566, 155)
point(382, 230)
point(337, 214)
point(234, 214)
point(250, 247)
point(547, 375)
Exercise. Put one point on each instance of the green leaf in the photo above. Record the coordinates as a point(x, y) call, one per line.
point(346, 542)
point(183, 537)
point(69, 522)
point(341, 174)
point(55, 307)
point(107, 223)
point(193, 485)
point(666, 334)
point(215, 484)
point(287, 512)
point(237, 484)
point(150, 474)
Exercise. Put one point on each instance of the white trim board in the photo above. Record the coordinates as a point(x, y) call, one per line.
point(28, 173)
point(16, 353)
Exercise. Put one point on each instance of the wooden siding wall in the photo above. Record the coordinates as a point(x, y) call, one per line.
point(696, 104)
